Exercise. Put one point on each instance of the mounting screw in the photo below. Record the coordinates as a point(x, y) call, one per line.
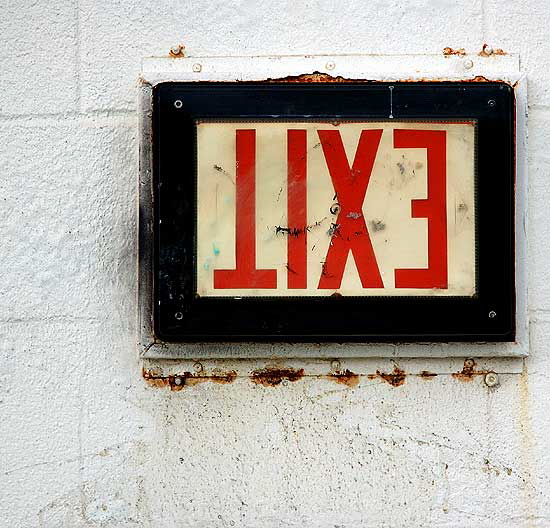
point(469, 363)
point(284, 382)
point(335, 365)
point(177, 380)
point(197, 67)
point(492, 103)
point(178, 103)
point(491, 379)
point(488, 50)
point(178, 316)
point(330, 65)
point(197, 367)
point(177, 51)
point(492, 314)
point(468, 64)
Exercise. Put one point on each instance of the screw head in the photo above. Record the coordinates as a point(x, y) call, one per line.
point(197, 67)
point(330, 65)
point(175, 49)
point(197, 367)
point(492, 103)
point(335, 365)
point(488, 50)
point(178, 103)
point(178, 316)
point(468, 64)
point(492, 314)
point(469, 363)
point(491, 379)
point(177, 380)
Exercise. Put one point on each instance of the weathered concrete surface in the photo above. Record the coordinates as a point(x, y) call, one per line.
point(85, 441)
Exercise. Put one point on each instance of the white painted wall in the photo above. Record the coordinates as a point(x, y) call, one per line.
point(85, 442)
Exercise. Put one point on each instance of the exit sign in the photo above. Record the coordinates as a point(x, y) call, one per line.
point(333, 212)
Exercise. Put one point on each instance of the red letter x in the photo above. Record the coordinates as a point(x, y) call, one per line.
point(350, 231)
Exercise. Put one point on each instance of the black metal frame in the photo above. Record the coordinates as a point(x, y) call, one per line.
point(180, 316)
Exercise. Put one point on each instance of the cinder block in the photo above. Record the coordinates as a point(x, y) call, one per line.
point(522, 27)
point(538, 271)
point(118, 35)
point(39, 57)
point(68, 217)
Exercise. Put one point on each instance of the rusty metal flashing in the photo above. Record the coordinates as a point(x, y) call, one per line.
point(450, 66)
point(325, 69)
point(350, 373)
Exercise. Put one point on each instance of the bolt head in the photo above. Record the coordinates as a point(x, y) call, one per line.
point(469, 363)
point(197, 67)
point(177, 380)
point(492, 314)
point(491, 379)
point(468, 64)
point(489, 50)
point(175, 49)
point(178, 316)
point(330, 65)
point(335, 365)
point(197, 367)
point(178, 103)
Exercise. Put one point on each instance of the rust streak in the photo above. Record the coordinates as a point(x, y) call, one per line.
point(271, 377)
point(450, 51)
point(395, 378)
point(468, 371)
point(318, 77)
point(177, 382)
point(345, 377)
point(177, 52)
point(485, 53)
point(315, 77)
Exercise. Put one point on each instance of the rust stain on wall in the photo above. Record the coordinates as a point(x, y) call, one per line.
point(395, 378)
point(450, 51)
point(345, 377)
point(315, 77)
point(318, 77)
point(177, 52)
point(177, 382)
point(274, 376)
point(487, 52)
point(271, 377)
point(468, 371)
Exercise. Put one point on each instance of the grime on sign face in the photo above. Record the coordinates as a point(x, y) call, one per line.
point(353, 208)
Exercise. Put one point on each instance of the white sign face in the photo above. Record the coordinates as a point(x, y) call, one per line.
point(348, 208)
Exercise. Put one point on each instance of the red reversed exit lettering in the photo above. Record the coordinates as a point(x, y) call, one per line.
point(314, 209)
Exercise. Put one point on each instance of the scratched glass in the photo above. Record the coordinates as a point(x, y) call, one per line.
point(317, 208)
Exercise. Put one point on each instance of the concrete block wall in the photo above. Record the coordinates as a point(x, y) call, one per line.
point(86, 442)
